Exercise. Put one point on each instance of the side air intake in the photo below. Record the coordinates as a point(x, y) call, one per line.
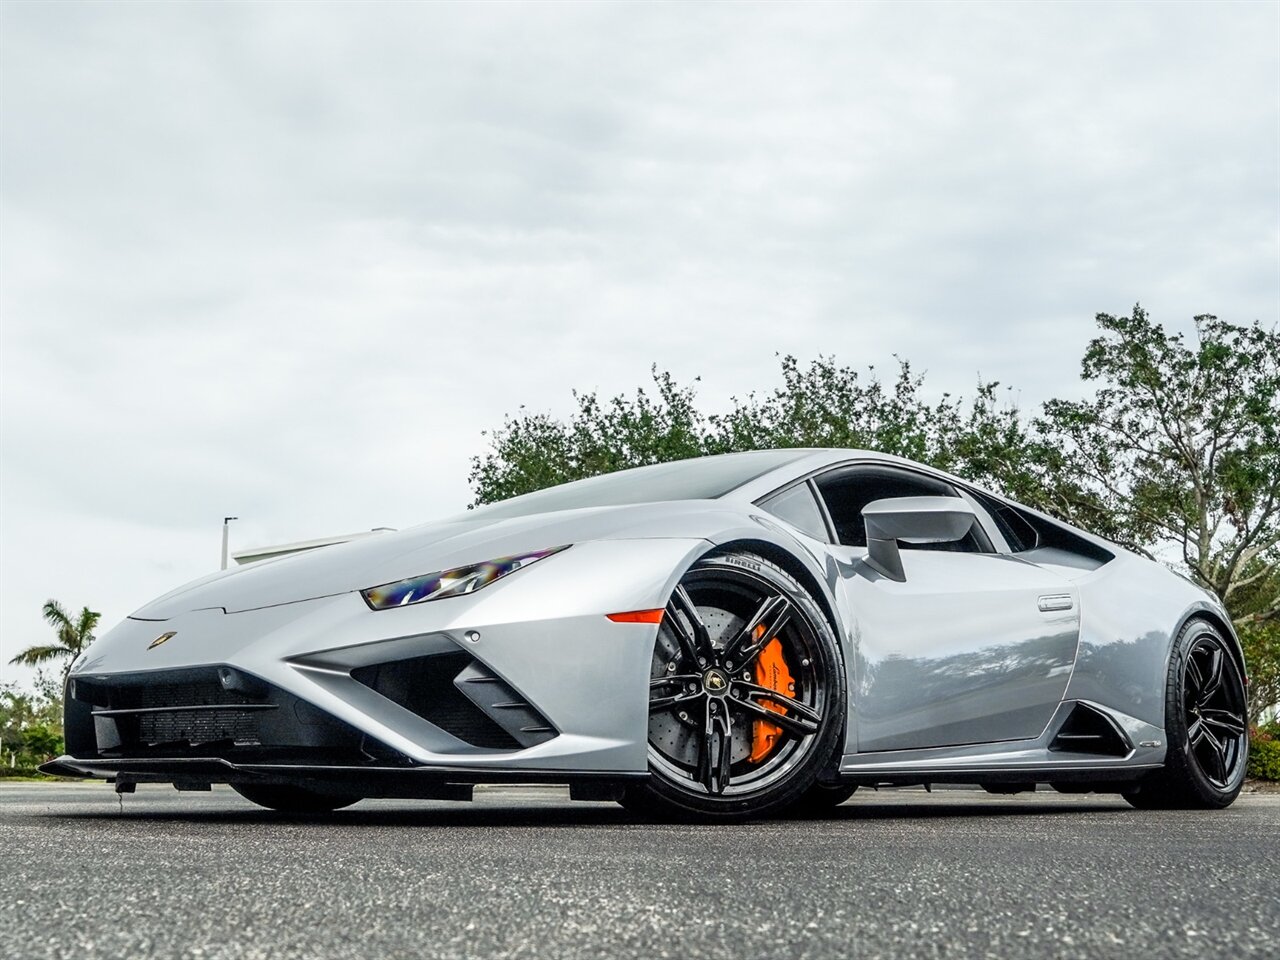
point(1088, 730)
point(456, 693)
point(501, 703)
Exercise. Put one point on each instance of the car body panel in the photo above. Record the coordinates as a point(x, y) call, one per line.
point(544, 630)
point(1132, 611)
point(433, 547)
point(958, 653)
point(954, 672)
point(1013, 760)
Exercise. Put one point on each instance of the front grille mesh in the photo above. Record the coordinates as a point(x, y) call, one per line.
point(196, 727)
point(169, 724)
point(197, 693)
point(192, 713)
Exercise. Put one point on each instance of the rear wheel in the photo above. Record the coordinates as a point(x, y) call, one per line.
point(746, 694)
point(290, 799)
point(1205, 723)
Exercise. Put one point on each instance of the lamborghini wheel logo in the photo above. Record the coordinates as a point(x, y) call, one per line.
point(161, 639)
point(714, 681)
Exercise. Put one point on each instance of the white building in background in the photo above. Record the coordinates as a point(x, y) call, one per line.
point(254, 554)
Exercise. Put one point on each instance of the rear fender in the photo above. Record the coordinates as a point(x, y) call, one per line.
point(1131, 610)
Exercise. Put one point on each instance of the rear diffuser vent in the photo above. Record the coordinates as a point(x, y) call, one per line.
point(1090, 731)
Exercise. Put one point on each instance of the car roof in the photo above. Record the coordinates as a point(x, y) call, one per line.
point(815, 459)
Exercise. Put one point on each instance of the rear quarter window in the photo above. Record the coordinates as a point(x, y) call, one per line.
point(1027, 533)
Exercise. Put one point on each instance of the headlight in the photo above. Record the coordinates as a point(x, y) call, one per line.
point(450, 583)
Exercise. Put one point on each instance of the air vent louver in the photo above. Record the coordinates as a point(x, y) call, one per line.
point(456, 693)
point(1090, 731)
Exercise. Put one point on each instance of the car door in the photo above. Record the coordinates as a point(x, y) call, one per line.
point(971, 646)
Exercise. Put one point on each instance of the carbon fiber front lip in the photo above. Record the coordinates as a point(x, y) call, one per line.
point(413, 781)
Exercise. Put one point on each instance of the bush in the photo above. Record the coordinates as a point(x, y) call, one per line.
point(1261, 644)
point(1264, 752)
point(23, 773)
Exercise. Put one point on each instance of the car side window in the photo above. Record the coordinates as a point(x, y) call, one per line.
point(846, 492)
point(797, 507)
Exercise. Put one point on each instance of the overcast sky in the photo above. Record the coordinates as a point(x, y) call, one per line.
point(287, 261)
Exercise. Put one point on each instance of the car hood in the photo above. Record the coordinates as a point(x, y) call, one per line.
point(429, 548)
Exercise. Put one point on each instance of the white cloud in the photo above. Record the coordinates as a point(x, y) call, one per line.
point(287, 261)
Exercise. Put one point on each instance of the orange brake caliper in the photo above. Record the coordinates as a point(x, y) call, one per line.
point(771, 672)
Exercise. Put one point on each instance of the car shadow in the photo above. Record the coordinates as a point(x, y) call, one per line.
point(570, 814)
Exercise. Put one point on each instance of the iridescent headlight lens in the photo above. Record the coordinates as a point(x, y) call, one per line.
point(450, 583)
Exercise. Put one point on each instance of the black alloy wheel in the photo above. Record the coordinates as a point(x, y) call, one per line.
point(1206, 722)
point(746, 693)
point(1214, 711)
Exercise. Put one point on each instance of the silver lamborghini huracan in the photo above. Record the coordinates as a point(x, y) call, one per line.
point(718, 638)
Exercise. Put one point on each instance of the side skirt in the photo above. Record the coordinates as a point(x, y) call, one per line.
point(1052, 757)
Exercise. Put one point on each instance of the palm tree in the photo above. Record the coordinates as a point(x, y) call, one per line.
point(73, 637)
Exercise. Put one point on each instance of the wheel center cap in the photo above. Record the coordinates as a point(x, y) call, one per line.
point(715, 682)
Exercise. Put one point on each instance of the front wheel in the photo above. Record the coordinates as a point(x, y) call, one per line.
point(746, 694)
point(1205, 723)
point(821, 798)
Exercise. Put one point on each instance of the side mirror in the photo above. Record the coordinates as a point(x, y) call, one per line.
point(915, 520)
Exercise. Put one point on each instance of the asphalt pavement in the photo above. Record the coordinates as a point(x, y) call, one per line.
point(523, 872)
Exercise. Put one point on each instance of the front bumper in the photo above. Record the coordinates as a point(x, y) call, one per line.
point(534, 654)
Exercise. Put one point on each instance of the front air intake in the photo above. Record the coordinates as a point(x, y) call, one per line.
point(207, 712)
point(1089, 730)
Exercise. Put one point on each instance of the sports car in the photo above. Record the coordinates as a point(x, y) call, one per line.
point(723, 637)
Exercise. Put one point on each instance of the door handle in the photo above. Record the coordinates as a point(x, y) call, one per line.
point(1055, 601)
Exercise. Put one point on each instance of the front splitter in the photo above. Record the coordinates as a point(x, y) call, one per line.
point(404, 782)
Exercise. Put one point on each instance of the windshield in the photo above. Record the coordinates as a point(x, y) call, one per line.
point(702, 478)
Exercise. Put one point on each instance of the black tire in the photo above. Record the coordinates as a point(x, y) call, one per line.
point(290, 799)
point(821, 799)
point(1206, 724)
point(706, 713)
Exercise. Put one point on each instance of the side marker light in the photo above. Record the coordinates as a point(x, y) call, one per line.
point(637, 616)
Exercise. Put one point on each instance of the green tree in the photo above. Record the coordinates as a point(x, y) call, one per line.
point(532, 450)
point(1261, 644)
point(18, 711)
point(1180, 444)
point(822, 404)
point(42, 742)
point(1259, 630)
point(73, 636)
point(30, 723)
